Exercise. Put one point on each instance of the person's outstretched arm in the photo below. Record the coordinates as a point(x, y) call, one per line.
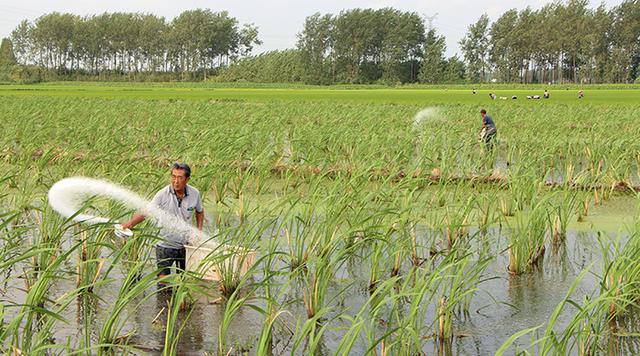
point(199, 219)
point(135, 220)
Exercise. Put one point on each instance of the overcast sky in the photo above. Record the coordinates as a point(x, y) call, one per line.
point(278, 21)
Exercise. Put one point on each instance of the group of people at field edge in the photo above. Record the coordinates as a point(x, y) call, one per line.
point(545, 95)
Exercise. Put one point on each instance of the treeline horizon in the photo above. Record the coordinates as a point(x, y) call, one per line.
point(194, 42)
point(562, 42)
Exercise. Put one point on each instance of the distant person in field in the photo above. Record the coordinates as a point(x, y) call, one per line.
point(580, 94)
point(546, 94)
point(182, 201)
point(474, 91)
point(492, 96)
point(488, 131)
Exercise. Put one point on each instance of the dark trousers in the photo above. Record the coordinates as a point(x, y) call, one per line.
point(489, 140)
point(167, 256)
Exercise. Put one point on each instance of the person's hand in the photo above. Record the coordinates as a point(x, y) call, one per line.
point(195, 238)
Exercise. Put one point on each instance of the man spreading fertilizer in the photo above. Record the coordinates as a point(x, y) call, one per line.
point(180, 200)
point(488, 131)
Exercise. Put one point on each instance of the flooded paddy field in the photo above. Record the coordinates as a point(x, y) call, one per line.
point(377, 229)
point(500, 303)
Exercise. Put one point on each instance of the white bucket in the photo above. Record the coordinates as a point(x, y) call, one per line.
point(240, 260)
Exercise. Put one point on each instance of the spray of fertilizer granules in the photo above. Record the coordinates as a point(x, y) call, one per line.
point(423, 116)
point(419, 121)
point(68, 196)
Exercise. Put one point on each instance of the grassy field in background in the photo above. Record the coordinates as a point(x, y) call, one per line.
point(597, 94)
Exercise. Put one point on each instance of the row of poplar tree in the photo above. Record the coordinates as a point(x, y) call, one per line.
point(194, 41)
point(562, 42)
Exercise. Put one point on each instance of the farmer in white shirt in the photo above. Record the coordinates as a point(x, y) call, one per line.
point(182, 201)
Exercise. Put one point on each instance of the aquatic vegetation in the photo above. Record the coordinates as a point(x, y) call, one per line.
point(527, 239)
point(358, 229)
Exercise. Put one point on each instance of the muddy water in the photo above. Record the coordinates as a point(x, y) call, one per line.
point(503, 305)
point(511, 303)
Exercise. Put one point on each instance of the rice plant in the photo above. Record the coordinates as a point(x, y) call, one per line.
point(527, 239)
point(353, 232)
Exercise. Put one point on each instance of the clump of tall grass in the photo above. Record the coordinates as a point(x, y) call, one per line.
point(395, 319)
point(485, 212)
point(300, 237)
point(621, 274)
point(561, 210)
point(527, 239)
point(33, 326)
point(457, 220)
point(459, 285)
point(131, 295)
point(231, 254)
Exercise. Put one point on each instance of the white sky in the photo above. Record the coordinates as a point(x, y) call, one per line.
point(279, 21)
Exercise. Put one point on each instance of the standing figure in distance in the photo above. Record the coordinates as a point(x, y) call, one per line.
point(488, 131)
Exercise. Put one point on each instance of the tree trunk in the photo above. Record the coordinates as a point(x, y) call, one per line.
point(575, 72)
